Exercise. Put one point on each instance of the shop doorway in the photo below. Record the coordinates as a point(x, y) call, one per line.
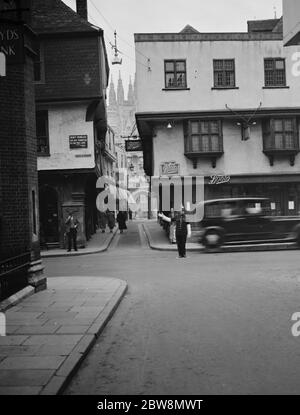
point(49, 229)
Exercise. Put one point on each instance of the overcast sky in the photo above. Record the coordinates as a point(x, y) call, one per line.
point(147, 16)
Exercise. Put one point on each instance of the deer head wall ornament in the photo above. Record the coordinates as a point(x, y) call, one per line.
point(245, 123)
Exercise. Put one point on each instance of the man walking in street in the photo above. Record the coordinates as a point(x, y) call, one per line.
point(121, 219)
point(71, 231)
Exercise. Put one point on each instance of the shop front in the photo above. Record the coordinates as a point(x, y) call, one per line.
point(282, 190)
point(61, 194)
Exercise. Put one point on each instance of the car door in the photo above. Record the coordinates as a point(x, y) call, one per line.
point(256, 227)
point(233, 222)
point(247, 223)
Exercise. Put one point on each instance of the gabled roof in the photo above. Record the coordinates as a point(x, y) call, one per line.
point(189, 29)
point(279, 27)
point(54, 16)
point(264, 25)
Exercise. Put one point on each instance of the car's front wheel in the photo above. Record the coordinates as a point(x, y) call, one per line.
point(212, 239)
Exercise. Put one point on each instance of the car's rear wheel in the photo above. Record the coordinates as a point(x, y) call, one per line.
point(212, 239)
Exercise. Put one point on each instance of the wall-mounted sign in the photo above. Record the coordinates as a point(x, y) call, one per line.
point(78, 141)
point(169, 167)
point(83, 155)
point(133, 145)
point(291, 205)
point(11, 42)
point(217, 179)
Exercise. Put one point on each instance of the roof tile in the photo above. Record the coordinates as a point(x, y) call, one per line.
point(263, 25)
point(52, 16)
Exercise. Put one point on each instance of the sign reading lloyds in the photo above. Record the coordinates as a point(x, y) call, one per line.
point(11, 42)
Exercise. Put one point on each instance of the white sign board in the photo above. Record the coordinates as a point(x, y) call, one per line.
point(169, 168)
point(291, 205)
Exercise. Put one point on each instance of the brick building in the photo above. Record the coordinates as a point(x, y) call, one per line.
point(20, 262)
point(71, 73)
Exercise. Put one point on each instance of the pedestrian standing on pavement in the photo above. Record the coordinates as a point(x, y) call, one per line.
point(71, 231)
point(111, 220)
point(130, 214)
point(182, 230)
point(121, 219)
point(102, 221)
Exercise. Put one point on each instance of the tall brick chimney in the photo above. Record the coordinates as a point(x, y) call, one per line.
point(81, 8)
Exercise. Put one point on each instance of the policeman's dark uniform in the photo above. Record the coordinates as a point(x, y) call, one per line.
point(181, 233)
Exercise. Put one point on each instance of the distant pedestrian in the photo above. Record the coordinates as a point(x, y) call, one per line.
point(121, 219)
point(182, 230)
point(102, 221)
point(111, 220)
point(71, 231)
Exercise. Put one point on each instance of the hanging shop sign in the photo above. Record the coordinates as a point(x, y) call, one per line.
point(133, 145)
point(78, 141)
point(12, 42)
point(169, 167)
point(218, 179)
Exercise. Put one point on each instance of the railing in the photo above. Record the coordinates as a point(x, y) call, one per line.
point(13, 274)
point(14, 264)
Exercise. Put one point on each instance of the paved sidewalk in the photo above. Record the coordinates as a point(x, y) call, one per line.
point(99, 242)
point(158, 240)
point(49, 333)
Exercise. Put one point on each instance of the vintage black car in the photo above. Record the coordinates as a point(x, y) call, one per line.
point(245, 220)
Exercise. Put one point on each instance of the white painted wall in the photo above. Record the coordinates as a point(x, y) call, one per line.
point(249, 65)
point(240, 157)
point(66, 120)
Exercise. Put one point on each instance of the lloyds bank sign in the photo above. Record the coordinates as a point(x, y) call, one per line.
point(12, 42)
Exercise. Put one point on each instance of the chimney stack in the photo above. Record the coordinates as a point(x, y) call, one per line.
point(81, 8)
